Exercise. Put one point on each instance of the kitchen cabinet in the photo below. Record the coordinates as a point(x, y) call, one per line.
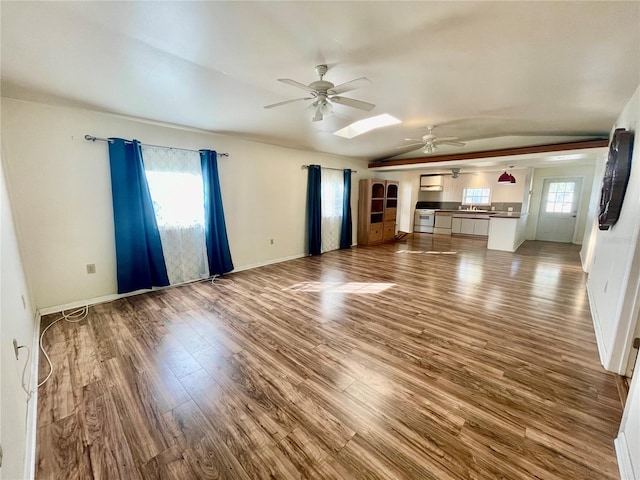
point(481, 227)
point(431, 183)
point(442, 224)
point(456, 225)
point(377, 209)
point(466, 228)
point(470, 226)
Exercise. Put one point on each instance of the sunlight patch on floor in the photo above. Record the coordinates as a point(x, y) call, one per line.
point(340, 287)
point(429, 252)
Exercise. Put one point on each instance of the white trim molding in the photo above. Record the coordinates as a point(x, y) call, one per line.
point(32, 405)
point(602, 347)
point(623, 455)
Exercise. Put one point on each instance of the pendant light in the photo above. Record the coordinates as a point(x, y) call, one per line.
point(506, 178)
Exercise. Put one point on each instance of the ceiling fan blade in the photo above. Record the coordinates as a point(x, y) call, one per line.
point(414, 140)
point(350, 102)
point(348, 86)
point(287, 101)
point(421, 144)
point(445, 139)
point(456, 144)
point(293, 83)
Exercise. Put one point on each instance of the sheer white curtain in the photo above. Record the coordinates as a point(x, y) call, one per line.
point(175, 183)
point(332, 195)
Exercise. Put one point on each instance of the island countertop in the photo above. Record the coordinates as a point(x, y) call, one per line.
point(509, 215)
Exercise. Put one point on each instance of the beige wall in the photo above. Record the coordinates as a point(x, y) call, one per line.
point(61, 194)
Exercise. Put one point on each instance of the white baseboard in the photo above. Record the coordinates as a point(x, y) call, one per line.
point(602, 347)
point(116, 296)
point(91, 301)
point(582, 262)
point(624, 458)
point(270, 262)
point(32, 406)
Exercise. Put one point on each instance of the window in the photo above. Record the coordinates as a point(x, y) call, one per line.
point(175, 184)
point(332, 195)
point(177, 198)
point(476, 196)
point(560, 197)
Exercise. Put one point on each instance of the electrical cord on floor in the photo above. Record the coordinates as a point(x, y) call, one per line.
point(73, 317)
point(24, 370)
point(218, 280)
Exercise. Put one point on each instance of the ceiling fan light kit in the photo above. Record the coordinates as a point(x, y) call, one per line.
point(326, 93)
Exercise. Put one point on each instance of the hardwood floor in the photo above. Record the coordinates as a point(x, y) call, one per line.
point(429, 359)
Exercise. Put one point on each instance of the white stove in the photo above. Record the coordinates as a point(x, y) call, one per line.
point(424, 220)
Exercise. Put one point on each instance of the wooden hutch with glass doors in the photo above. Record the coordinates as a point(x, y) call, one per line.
point(377, 208)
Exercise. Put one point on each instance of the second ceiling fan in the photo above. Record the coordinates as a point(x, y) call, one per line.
point(325, 93)
point(429, 142)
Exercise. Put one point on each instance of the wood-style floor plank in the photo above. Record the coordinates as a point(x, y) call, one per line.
point(433, 358)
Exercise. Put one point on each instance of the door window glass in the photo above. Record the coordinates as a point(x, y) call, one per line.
point(560, 197)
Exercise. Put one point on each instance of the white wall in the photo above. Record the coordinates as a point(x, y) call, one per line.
point(591, 223)
point(614, 279)
point(500, 193)
point(61, 194)
point(628, 441)
point(540, 174)
point(16, 321)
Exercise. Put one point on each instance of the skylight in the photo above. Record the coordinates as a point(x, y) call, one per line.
point(366, 125)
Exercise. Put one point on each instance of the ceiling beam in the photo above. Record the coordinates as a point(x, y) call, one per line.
point(504, 152)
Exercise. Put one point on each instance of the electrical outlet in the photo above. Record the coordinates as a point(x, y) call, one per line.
point(15, 348)
point(510, 209)
point(91, 268)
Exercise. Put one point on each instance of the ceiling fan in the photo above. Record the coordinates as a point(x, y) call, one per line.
point(325, 93)
point(429, 142)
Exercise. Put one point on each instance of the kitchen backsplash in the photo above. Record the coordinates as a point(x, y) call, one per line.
point(499, 207)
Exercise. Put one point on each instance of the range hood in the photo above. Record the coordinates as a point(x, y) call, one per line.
point(431, 183)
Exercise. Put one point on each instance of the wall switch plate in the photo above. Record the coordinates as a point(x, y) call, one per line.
point(15, 348)
point(91, 268)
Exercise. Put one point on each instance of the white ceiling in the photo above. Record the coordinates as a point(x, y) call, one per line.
point(495, 74)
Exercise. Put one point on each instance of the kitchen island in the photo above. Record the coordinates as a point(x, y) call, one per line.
point(504, 230)
point(507, 231)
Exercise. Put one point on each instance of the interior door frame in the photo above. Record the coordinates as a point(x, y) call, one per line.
point(579, 210)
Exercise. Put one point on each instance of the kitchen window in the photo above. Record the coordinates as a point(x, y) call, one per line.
point(476, 196)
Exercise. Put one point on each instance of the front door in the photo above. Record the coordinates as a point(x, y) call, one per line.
point(558, 209)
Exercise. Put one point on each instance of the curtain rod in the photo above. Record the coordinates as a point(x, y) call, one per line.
point(91, 138)
point(329, 168)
